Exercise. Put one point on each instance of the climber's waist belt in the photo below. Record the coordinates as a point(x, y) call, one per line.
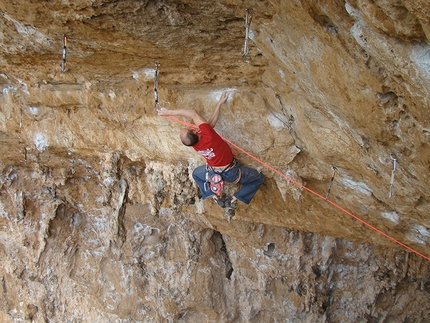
point(221, 169)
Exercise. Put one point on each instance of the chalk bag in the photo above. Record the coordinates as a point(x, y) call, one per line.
point(216, 184)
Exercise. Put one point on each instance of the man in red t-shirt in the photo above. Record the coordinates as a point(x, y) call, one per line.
point(218, 156)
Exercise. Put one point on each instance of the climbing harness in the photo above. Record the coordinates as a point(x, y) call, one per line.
point(392, 176)
point(248, 20)
point(156, 85)
point(331, 181)
point(63, 63)
point(310, 191)
point(214, 176)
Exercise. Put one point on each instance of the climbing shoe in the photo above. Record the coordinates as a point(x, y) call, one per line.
point(220, 202)
point(230, 204)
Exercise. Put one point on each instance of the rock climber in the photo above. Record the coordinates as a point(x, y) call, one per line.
point(219, 157)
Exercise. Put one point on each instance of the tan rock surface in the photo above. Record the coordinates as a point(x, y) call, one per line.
point(100, 220)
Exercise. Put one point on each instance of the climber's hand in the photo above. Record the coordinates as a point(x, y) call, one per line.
point(163, 111)
point(223, 98)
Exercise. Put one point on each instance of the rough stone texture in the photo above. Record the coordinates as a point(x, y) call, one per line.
point(100, 220)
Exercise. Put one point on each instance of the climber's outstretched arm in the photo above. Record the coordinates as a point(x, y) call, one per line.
point(189, 113)
point(215, 116)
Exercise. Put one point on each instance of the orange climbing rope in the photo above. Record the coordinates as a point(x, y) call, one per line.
point(309, 190)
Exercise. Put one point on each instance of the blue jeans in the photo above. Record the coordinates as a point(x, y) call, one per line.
point(250, 180)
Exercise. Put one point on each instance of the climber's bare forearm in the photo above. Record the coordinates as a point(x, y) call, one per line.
point(189, 113)
point(215, 116)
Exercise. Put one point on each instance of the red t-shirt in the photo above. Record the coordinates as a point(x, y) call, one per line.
point(211, 146)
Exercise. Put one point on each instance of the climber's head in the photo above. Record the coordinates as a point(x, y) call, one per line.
point(189, 137)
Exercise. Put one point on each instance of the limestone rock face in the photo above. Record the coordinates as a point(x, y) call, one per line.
point(100, 219)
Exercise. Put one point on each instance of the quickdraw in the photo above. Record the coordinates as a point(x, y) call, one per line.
point(156, 85)
point(248, 20)
point(331, 181)
point(391, 194)
point(63, 63)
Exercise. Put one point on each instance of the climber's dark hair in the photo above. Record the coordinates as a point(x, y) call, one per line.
point(190, 138)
